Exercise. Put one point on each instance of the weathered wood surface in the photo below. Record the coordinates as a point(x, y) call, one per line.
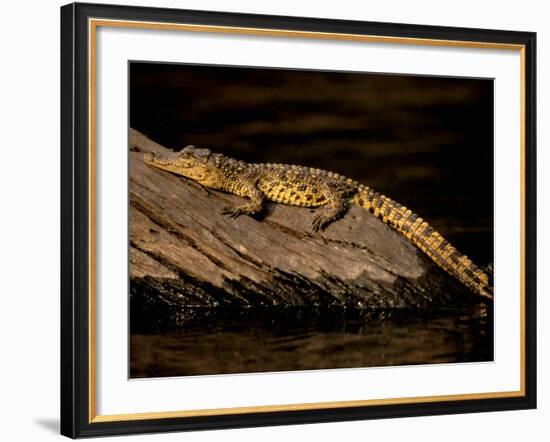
point(184, 252)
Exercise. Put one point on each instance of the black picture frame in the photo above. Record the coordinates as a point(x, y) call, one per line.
point(76, 418)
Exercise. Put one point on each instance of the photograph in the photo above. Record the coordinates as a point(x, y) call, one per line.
point(291, 219)
point(277, 220)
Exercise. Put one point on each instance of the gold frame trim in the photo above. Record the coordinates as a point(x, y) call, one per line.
point(93, 24)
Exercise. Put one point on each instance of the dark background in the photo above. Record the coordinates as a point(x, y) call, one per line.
point(426, 142)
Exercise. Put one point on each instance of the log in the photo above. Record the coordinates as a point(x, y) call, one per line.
point(184, 253)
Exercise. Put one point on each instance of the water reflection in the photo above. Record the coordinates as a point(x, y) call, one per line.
point(262, 340)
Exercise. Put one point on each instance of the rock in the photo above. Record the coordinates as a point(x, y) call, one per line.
point(185, 253)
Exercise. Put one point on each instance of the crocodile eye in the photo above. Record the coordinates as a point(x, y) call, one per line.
point(187, 151)
point(202, 155)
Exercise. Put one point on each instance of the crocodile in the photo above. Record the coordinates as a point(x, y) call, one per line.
point(309, 187)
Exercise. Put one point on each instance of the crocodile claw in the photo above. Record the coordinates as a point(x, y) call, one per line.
point(233, 212)
point(319, 223)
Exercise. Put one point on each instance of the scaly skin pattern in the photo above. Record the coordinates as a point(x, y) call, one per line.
point(308, 187)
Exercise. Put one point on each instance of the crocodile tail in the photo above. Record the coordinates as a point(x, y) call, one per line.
point(426, 238)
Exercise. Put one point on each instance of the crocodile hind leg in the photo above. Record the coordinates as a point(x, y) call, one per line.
point(334, 209)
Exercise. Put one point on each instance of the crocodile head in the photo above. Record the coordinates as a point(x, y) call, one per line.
point(190, 162)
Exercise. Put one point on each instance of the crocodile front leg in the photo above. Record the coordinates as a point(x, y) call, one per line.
point(247, 187)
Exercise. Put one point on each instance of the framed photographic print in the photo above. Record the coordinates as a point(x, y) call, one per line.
point(277, 220)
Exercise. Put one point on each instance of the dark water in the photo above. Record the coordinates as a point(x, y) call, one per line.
point(427, 142)
point(262, 340)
